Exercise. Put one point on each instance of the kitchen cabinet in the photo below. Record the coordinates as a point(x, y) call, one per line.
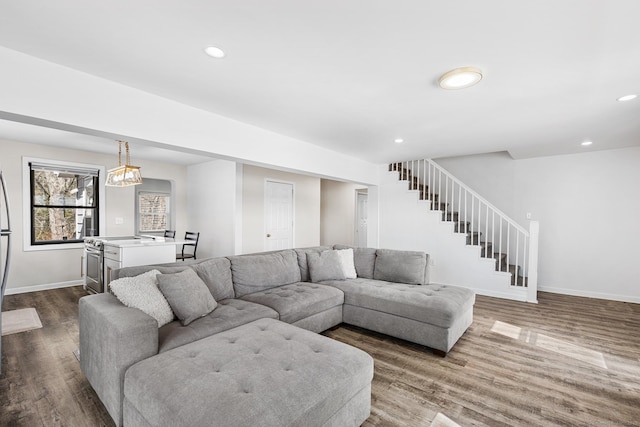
point(129, 253)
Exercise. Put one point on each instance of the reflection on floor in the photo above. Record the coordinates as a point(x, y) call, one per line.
point(549, 343)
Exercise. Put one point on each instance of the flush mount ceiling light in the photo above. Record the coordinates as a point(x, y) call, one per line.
point(398, 140)
point(627, 97)
point(124, 175)
point(214, 52)
point(460, 78)
point(586, 143)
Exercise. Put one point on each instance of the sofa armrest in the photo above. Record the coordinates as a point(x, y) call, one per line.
point(112, 338)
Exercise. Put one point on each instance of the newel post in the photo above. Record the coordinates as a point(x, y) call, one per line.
point(532, 276)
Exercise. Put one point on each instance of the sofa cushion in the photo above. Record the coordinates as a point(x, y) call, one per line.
point(438, 305)
point(326, 265)
point(187, 295)
point(139, 269)
point(363, 258)
point(302, 259)
point(400, 266)
point(142, 292)
point(257, 272)
point(266, 373)
point(216, 274)
point(298, 300)
point(229, 314)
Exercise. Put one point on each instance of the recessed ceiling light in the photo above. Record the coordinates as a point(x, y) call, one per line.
point(398, 140)
point(627, 97)
point(215, 52)
point(585, 143)
point(460, 78)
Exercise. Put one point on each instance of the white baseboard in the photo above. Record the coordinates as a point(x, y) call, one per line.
point(45, 287)
point(519, 295)
point(515, 296)
point(589, 294)
point(522, 296)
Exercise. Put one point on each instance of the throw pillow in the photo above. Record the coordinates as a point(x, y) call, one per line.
point(363, 258)
point(188, 295)
point(325, 266)
point(142, 292)
point(348, 266)
point(400, 266)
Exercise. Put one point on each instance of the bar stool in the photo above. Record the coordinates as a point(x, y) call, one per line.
point(193, 237)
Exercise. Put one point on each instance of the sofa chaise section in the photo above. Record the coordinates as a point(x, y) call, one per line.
point(397, 300)
point(435, 316)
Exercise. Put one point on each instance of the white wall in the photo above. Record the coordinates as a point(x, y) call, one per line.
point(586, 205)
point(62, 266)
point(307, 207)
point(492, 175)
point(407, 223)
point(337, 212)
point(212, 207)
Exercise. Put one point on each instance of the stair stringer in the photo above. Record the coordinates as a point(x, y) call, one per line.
point(407, 223)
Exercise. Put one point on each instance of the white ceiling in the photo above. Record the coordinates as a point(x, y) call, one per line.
point(353, 75)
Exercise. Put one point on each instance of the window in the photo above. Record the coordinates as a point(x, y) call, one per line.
point(64, 202)
point(153, 207)
point(153, 212)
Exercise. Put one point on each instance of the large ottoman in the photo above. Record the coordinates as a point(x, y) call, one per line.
point(264, 373)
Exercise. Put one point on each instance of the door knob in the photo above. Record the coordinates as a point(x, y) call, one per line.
point(268, 235)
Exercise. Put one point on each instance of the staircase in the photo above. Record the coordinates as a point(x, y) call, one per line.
point(511, 248)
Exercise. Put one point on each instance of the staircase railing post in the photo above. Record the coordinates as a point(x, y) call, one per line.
point(532, 274)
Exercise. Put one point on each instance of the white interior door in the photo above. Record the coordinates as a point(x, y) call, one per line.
point(361, 219)
point(278, 215)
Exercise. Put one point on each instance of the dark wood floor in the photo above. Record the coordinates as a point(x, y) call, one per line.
point(567, 361)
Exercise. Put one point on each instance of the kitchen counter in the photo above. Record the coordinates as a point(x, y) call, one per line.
point(139, 251)
point(131, 243)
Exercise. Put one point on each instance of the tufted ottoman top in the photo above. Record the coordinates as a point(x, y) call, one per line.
point(264, 373)
point(438, 305)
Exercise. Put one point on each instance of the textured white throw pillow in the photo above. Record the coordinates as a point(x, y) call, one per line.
point(142, 292)
point(348, 265)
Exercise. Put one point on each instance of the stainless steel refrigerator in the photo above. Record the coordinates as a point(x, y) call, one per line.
point(5, 232)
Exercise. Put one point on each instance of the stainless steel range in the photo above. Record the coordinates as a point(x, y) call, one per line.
point(106, 254)
point(94, 280)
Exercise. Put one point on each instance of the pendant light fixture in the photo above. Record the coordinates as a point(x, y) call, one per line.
point(124, 175)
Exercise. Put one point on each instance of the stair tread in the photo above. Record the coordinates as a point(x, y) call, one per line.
point(473, 236)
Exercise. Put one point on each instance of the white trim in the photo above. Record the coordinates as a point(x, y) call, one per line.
point(356, 231)
point(293, 210)
point(26, 203)
point(589, 294)
point(239, 208)
point(45, 287)
point(519, 294)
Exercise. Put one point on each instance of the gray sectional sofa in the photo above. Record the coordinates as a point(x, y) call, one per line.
point(264, 328)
